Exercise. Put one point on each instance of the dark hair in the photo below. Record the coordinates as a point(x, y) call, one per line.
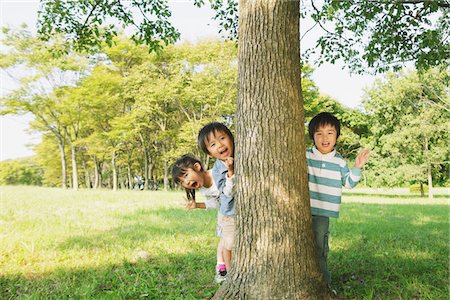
point(179, 168)
point(322, 119)
point(209, 128)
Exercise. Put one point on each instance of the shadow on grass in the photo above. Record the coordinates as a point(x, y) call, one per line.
point(166, 275)
point(170, 277)
point(394, 252)
point(377, 252)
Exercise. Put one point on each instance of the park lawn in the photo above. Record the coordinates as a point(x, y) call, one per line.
point(58, 244)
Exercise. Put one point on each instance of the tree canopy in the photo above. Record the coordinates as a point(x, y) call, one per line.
point(370, 36)
point(409, 117)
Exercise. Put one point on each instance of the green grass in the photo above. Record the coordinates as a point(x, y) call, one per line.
point(58, 244)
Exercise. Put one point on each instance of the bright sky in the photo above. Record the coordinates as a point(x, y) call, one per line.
point(194, 24)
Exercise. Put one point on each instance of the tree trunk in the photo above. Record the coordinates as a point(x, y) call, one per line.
point(274, 254)
point(144, 149)
point(114, 171)
point(74, 168)
point(87, 176)
point(96, 173)
point(166, 176)
point(63, 163)
point(430, 183)
point(422, 191)
point(130, 180)
point(120, 179)
point(146, 167)
point(429, 168)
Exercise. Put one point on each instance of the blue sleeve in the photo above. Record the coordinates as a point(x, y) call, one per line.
point(350, 178)
point(226, 203)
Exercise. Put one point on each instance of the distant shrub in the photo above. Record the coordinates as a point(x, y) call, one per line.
point(20, 172)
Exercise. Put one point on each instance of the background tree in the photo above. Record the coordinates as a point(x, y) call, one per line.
point(102, 94)
point(45, 158)
point(47, 68)
point(409, 115)
point(23, 171)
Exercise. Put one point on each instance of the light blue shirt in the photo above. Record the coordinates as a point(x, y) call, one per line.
point(327, 174)
point(226, 202)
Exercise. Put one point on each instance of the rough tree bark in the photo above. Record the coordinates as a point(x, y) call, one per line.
point(274, 255)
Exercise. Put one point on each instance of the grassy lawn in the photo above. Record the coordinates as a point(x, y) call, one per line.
point(58, 244)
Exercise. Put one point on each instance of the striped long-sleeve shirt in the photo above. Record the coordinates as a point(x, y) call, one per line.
point(327, 174)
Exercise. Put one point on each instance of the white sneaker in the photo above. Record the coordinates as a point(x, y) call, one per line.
point(220, 278)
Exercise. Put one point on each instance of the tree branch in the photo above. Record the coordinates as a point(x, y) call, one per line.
point(90, 14)
point(443, 4)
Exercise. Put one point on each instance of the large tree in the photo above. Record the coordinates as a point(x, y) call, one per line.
point(274, 251)
point(275, 254)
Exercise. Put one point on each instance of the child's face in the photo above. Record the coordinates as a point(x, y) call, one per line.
point(219, 145)
point(193, 178)
point(325, 138)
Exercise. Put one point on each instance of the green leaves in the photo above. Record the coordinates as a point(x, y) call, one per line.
point(88, 24)
point(383, 35)
point(409, 115)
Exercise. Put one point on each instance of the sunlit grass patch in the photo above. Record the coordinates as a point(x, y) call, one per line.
point(58, 244)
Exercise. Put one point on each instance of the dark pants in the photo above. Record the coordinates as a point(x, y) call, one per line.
point(321, 232)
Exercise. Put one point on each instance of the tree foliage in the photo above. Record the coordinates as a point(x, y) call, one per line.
point(383, 34)
point(23, 171)
point(87, 24)
point(409, 119)
point(368, 35)
point(131, 113)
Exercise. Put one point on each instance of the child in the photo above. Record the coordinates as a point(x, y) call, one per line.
point(188, 171)
point(217, 141)
point(328, 172)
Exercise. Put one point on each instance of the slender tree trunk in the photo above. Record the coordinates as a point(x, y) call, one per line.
point(70, 181)
point(422, 191)
point(146, 167)
point(149, 171)
point(166, 176)
point(130, 180)
point(429, 170)
point(63, 163)
point(151, 167)
point(96, 173)
point(430, 183)
point(114, 171)
point(274, 255)
point(87, 176)
point(121, 183)
point(74, 168)
point(144, 150)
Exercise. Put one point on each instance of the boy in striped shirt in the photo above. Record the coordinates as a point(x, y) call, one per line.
point(328, 173)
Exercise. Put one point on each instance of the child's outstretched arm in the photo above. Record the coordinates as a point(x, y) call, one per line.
point(362, 158)
point(350, 178)
point(192, 204)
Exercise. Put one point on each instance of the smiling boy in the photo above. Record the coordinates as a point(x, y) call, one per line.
point(327, 173)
